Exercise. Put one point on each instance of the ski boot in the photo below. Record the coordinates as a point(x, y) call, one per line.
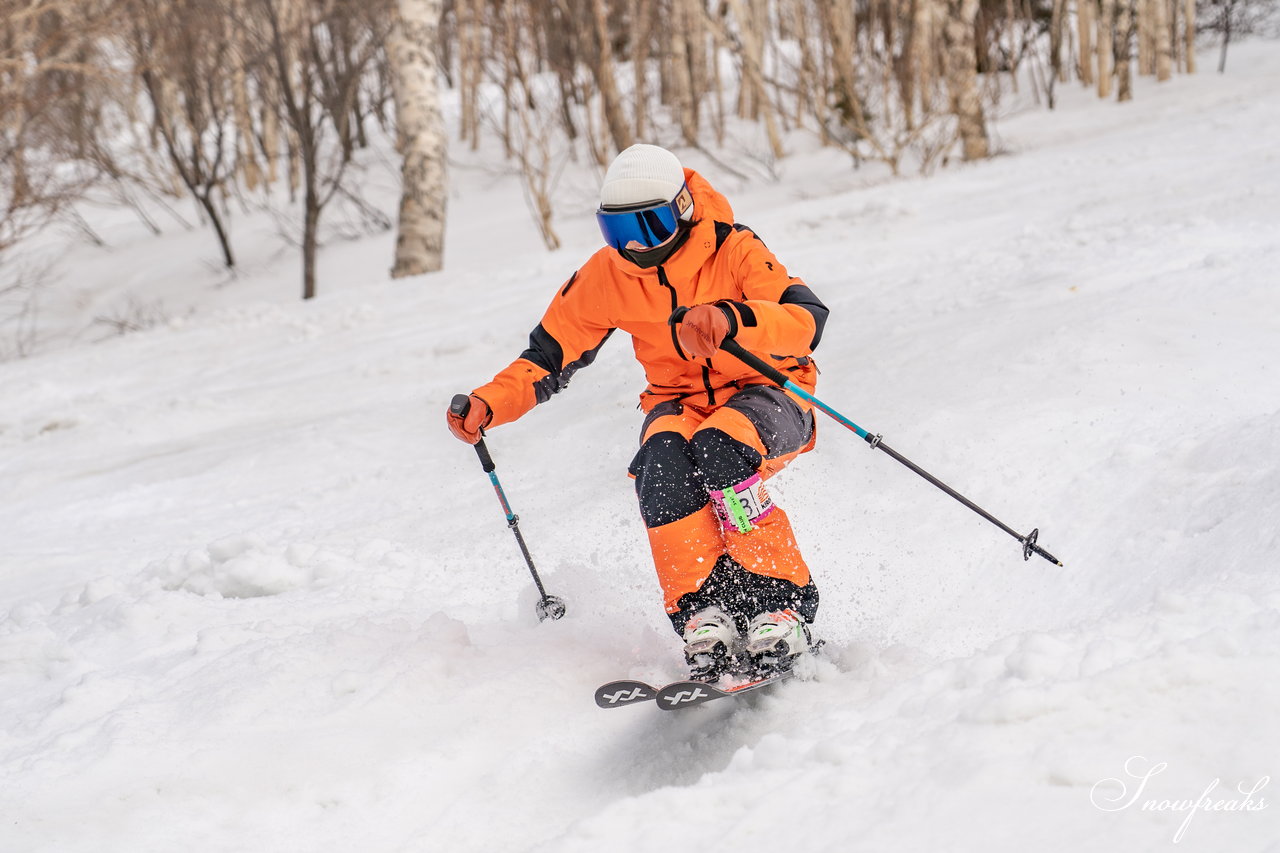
point(775, 640)
point(711, 644)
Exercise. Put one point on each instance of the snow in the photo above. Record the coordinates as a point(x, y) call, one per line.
point(256, 597)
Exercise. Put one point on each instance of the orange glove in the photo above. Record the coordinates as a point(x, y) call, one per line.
point(473, 417)
point(701, 329)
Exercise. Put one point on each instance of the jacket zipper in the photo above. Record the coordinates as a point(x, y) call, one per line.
point(675, 303)
point(675, 340)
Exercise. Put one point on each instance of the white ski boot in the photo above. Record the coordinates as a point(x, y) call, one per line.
point(711, 644)
point(775, 640)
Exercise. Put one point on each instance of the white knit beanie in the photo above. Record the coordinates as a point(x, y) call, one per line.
point(639, 174)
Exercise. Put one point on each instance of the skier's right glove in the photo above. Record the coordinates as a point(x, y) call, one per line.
point(701, 329)
point(473, 417)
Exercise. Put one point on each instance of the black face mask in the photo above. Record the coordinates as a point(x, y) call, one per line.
point(653, 257)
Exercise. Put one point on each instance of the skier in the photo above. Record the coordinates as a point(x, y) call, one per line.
point(680, 276)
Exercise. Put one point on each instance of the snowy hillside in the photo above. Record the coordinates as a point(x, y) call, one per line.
point(256, 598)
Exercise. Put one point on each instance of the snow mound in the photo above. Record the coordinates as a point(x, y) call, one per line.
point(245, 567)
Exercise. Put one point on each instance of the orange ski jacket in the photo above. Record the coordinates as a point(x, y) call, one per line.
point(772, 314)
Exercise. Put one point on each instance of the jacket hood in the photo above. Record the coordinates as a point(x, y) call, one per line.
point(709, 207)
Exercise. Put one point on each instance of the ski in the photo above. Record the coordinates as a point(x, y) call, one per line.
point(686, 694)
point(616, 694)
point(677, 694)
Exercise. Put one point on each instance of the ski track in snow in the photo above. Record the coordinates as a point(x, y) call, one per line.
point(255, 597)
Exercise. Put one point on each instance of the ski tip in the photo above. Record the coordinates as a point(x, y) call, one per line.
point(684, 694)
point(616, 694)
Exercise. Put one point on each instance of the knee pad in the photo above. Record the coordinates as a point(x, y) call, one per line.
point(722, 459)
point(668, 483)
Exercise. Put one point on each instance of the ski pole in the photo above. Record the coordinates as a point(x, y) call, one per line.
point(548, 605)
point(775, 375)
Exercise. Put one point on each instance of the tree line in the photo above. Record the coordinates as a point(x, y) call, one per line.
point(229, 102)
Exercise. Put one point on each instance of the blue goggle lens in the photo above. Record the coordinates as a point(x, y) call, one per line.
point(646, 226)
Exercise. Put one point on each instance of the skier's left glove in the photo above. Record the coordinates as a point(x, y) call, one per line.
point(702, 328)
point(466, 425)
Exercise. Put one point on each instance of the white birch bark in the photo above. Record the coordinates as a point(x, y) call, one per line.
point(420, 132)
point(962, 78)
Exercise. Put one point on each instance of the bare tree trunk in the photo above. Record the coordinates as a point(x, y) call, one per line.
point(1086, 15)
point(903, 68)
point(471, 68)
point(219, 230)
point(843, 37)
point(746, 108)
point(807, 77)
point(799, 33)
point(757, 101)
point(1057, 35)
point(1164, 40)
point(312, 80)
point(962, 77)
point(1146, 37)
point(1227, 19)
point(682, 73)
point(603, 70)
point(1190, 16)
point(184, 56)
point(420, 135)
point(1106, 47)
point(642, 14)
point(709, 74)
point(1124, 51)
point(310, 228)
point(925, 58)
point(246, 159)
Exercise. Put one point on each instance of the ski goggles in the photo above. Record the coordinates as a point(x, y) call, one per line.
point(643, 226)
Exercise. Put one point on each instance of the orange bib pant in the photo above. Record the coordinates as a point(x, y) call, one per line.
point(687, 451)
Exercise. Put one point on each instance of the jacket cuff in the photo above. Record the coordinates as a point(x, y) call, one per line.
point(739, 314)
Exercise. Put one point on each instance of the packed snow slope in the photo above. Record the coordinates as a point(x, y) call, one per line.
point(255, 596)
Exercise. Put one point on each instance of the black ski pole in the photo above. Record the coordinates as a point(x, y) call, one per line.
point(549, 606)
point(1028, 542)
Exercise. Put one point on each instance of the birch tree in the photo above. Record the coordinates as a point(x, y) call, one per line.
point(420, 135)
point(962, 78)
